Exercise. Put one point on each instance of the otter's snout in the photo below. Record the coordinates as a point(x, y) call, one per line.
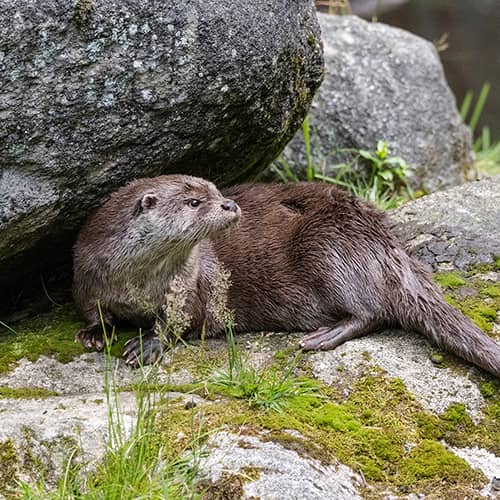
point(230, 206)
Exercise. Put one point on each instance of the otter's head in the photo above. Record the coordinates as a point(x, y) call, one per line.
point(182, 210)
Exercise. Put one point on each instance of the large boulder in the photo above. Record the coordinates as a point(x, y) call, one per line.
point(383, 83)
point(96, 93)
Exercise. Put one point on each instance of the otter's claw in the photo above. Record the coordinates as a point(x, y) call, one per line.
point(93, 337)
point(145, 350)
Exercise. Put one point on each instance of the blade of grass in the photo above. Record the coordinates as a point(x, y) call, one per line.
point(464, 108)
point(478, 108)
point(307, 142)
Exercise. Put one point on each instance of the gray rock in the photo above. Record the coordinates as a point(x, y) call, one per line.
point(383, 83)
point(283, 473)
point(46, 431)
point(401, 355)
point(96, 93)
point(453, 229)
point(83, 375)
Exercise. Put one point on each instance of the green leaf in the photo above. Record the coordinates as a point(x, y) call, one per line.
point(464, 108)
point(396, 160)
point(367, 155)
point(382, 150)
point(386, 175)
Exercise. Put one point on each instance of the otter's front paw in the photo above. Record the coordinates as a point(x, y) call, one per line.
point(144, 350)
point(92, 337)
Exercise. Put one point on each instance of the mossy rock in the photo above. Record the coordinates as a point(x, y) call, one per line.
point(48, 334)
point(476, 298)
point(379, 430)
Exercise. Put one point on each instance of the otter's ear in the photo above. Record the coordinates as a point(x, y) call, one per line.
point(146, 202)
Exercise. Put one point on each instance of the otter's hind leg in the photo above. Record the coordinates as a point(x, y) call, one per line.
point(326, 338)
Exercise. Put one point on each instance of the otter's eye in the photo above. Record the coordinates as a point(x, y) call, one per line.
point(194, 202)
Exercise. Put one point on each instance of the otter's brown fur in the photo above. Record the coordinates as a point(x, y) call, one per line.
point(313, 258)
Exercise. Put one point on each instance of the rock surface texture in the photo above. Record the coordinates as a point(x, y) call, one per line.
point(287, 474)
point(410, 424)
point(96, 93)
point(383, 83)
point(453, 229)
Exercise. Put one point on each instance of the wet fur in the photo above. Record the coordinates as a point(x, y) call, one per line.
point(313, 258)
point(309, 257)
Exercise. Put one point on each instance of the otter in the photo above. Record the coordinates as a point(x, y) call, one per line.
point(149, 235)
point(304, 257)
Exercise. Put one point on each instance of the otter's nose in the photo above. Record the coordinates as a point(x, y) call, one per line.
point(229, 205)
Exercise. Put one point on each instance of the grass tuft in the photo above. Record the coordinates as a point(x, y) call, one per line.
point(271, 388)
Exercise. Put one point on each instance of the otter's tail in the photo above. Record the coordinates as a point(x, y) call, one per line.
point(447, 327)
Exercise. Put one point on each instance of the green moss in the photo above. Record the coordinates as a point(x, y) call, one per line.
point(449, 280)
point(429, 426)
point(227, 487)
point(483, 315)
point(480, 304)
point(369, 431)
point(251, 473)
point(456, 427)
point(304, 447)
point(311, 40)
point(431, 461)
point(379, 429)
point(123, 336)
point(26, 393)
point(487, 389)
point(437, 359)
point(457, 414)
point(492, 291)
point(8, 468)
point(477, 269)
point(493, 411)
point(283, 356)
point(303, 92)
point(50, 334)
point(198, 359)
point(328, 415)
point(82, 12)
point(496, 259)
point(366, 355)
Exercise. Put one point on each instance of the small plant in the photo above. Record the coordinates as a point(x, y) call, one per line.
point(387, 173)
point(311, 171)
point(478, 108)
point(487, 152)
point(266, 389)
point(488, 158)
point(387, 184)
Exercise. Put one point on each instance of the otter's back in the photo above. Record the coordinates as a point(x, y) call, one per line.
point(294, 250)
